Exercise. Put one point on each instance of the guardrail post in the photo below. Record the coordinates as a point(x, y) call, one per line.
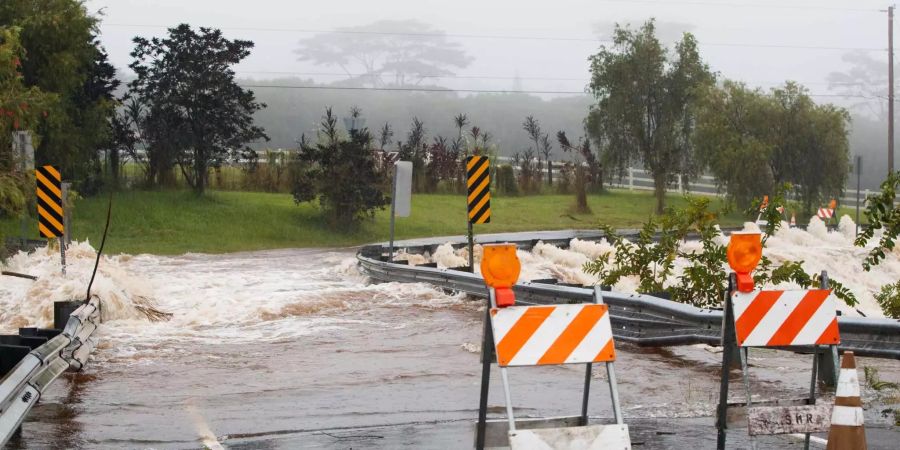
point(61, 312)
point(630, 178)
point(828, 361)
point(680, 184)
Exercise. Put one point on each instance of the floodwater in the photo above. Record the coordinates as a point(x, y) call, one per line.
point(296, 349)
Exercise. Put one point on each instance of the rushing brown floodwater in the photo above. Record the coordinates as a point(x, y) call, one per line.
point(295, 349)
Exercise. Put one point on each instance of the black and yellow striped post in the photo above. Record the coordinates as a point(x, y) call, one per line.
point(51, 222)
point(478, 181)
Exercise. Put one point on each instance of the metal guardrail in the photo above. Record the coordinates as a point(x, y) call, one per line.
point(641, 319)
point(22, 387)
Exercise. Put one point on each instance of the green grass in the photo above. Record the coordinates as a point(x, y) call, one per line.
point(174, 222)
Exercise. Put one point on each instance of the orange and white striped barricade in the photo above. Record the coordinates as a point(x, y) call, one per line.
point(790, 320)
point(554, 335)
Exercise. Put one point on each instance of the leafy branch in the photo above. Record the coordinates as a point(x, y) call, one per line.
point(704, 281)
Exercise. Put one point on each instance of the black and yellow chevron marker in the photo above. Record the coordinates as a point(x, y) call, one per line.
point(49, 202)
point(478, 179)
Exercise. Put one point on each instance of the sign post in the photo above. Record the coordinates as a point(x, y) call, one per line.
point(858, 178)
point(401, 197)
point(478, 201)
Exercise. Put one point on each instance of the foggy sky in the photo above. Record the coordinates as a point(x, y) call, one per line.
point(726, 33)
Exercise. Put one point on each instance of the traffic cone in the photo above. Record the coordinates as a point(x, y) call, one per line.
point(847, 431)
point(793, 220)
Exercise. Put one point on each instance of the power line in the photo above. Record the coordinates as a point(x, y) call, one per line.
point(501, 37)
point(477, 91)
point(583, 80)
point(523, 78)
point(410, 89)
point(741, 5)
point(472, 77)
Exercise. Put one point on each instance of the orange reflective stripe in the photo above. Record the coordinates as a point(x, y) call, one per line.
point(577, 329)
point(484, 184)
point(45, 232)
point(607, 354)
point(49, 218)
point(53, 172)
point(478, 207)
point(831, 334)
point(798, 318)
point(754, 313)
point(48, 184)
point(472, 161)
point(50, 201)
point(519, 334)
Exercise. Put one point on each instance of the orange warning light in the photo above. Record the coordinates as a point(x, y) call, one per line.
point(500, 266)
point(832, 204)
point(744, 253)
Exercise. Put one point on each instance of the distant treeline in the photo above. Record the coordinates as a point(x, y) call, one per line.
point(292, 112)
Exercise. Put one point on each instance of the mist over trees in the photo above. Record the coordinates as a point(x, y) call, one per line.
point(291, 112)
point(385, 53)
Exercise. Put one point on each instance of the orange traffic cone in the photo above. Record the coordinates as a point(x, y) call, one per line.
point(847, 431)
point(793, 220)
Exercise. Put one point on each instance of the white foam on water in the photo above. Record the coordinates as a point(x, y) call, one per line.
point(818, 248)
point(243, 297)
point(30, 303)
point(445, 256)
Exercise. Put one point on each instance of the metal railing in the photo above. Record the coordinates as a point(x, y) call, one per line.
point(641, 319)
point(21, 389)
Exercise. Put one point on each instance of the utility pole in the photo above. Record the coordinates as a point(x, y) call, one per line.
point(890, 89)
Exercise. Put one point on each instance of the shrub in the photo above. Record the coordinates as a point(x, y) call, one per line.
point(705, 279)
point(506, 180)
point(340, 174)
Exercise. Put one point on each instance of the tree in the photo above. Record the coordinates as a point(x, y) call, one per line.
point(734, 140)
point(21, 109)
point(533, 128)
point(582, 177)
point(385, 53)
point(339, 173)
point(63, 57)
point(645, 103)
point(547, 149)
point(187, 82)
point(866, 80)
point(414, 149)
point(811, 146)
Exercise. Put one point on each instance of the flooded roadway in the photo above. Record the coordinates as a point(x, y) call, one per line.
point(295, 349)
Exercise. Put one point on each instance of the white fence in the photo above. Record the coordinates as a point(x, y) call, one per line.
point(640, 179)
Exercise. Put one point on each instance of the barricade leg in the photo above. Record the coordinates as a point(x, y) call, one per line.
point(744, 354)
point(487, 357)
point(614, 392)
point(509, 407)
point(587, 392)
point(728, 346)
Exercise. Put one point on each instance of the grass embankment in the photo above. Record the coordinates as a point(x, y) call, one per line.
point(174, 222)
